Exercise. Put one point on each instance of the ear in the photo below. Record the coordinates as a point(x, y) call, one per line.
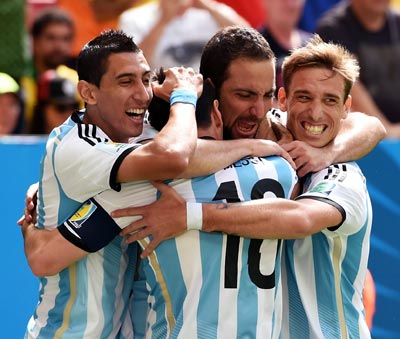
point(87, 92)
point(282, 99)
point(216, 115)
point(347, 106)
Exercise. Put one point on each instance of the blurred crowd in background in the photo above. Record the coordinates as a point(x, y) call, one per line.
point(41, 40)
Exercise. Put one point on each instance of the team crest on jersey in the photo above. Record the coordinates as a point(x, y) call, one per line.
point(323, 188)
point(110, 146)
point(81, 215)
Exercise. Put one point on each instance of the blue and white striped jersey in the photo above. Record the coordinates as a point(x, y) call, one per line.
point(212, 285)
point(89, 299)
point(323, 274)
point(209, 285)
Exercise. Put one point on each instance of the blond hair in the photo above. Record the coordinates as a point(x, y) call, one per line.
point(317, 53)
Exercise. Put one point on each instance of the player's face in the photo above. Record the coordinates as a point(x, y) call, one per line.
point(315, 105)
point(54, 46)
point(246, 95)
point(123, 96)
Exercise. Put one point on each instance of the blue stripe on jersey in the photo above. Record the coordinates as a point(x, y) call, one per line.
point(351, 265)
point(284, 173)
point(328, 308)
point(208, 308)
point(297, 320)
point(212, 263)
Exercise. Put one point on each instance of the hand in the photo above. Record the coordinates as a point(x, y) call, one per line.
point(307, 158)
point(163, 219)
point(264, 148)
point(30, 214)
point(178, 78)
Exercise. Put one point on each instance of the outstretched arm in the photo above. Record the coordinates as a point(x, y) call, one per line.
point(169, 217)
point(358, 136)
point(213, 155)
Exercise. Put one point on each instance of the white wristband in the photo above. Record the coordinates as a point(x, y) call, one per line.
point(194, 216)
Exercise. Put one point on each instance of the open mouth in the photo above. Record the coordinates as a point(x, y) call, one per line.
point(313, 129)
point(135, 113)
point(247, 128)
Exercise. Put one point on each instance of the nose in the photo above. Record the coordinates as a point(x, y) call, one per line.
point(315, 111)
point(260, 108)
point(142, 93)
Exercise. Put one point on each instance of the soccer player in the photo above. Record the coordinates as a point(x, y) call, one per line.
point(330, 222)
point(87, 295)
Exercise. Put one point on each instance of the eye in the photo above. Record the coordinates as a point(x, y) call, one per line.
point(146, 81)
point(331, 101)
point(303, 98)
point(243, 95)
point(125, 81)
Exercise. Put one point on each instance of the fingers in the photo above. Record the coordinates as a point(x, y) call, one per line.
point(127, 212)
point(178, 78)
point(149, 249)
point(159, 185)
point(133, 227)
point(289, 159)
point(20, 221)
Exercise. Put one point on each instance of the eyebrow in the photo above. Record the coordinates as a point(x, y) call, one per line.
point(133, 75)
point(304, 91)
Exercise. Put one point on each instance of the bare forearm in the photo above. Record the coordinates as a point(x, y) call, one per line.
point(359, 136)
point(268, 219)
point(47, 251)
point(220, 13)
point(212, 155)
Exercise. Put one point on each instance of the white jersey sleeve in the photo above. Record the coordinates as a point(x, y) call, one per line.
point(343, 186)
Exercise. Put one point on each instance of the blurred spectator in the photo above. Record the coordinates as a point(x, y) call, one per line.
point(251, 10)
point(58, 98)
point(11, 113)
point(281, 31)
point(174, 32)
point(52, 33)
point(91, 17)
point(371, 30)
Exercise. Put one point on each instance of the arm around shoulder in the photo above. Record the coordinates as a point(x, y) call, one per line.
point(47, 251)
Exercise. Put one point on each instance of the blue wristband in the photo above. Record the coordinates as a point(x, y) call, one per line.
point(183, 96)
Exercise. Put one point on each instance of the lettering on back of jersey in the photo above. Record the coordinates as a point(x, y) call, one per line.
point(245, 162)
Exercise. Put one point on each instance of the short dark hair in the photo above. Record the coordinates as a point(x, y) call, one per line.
point(229, 44)
point(49, 16)
point(159, 108)
point(92, 61)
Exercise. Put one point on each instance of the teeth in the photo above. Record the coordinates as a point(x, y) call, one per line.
point(245, 126)
point(314, 129)
point(135, 111)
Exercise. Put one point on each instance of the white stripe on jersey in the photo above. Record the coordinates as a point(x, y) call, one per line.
point(185, 245)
